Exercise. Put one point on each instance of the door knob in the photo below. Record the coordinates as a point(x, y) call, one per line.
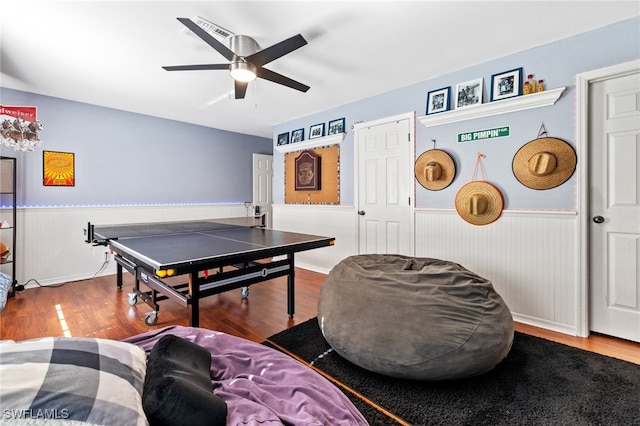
point(361, 212)
point(598, 219)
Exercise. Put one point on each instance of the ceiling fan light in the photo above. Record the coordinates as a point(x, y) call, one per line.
point(242, 71)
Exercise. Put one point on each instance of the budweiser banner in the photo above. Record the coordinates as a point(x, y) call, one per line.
point(20, 127)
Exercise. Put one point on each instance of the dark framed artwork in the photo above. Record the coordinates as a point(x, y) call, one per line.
point(58, 168)
point(297, 136)
point(307, 171)
point(506, 84)
point(336, 126)
point(438, 100)
point(316, 131)
point(283, 139)
point(469, 93)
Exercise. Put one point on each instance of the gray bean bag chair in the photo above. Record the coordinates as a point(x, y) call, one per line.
point(414, 318)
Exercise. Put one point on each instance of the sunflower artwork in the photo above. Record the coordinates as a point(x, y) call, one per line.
point(58, 168)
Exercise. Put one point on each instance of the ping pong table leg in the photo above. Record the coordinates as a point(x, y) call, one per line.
point(194, 296)
point(291, 287)
point(118, 275)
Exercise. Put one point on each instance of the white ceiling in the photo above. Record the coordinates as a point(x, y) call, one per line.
point(110, 53)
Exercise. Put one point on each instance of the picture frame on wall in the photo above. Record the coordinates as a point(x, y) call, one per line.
point(58, 168)
point(316, 131)
point(336, 126)
point(469, 93)
point(307, 171)
point(438, 100)
point(283, 139)
point(506, 84)
point(297, 136)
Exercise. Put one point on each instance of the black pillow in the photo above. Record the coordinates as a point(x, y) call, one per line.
point(177, 388)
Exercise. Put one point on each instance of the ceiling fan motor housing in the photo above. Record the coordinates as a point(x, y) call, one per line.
point(243, 45)
point(240, 69)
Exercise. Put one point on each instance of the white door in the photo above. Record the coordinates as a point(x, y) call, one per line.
point(614, 189)
point(385, 186)
point(262, 185)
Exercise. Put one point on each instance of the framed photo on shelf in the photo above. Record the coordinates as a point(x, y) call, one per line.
point(316, 131)
point(506, 84)
point(438, 100)
point(469, 93)
point(283, 139)
point(297, 136)
point(336, 126)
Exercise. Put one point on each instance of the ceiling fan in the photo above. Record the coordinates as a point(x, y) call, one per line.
point(246, 60)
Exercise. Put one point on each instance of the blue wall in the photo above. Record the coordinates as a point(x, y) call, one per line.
point(123, 158)
point(127, 158)
point(556, 63)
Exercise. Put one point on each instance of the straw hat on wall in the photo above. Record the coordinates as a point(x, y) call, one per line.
point(544, 163)
point(479, 202)
point(435, 169)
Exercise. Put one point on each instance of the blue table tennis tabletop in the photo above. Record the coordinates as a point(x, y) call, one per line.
point(149, 250)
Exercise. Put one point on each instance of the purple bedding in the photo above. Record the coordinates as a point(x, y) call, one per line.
point(260, 385)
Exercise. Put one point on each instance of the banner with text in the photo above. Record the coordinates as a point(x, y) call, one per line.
point(478, 135)
point(19, 127)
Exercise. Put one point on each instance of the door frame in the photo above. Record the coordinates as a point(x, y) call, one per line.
point(411, 116)
point(583, 82)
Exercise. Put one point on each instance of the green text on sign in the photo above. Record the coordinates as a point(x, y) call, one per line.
point(498, 132)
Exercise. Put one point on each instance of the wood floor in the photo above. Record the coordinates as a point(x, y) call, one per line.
point(96, 308)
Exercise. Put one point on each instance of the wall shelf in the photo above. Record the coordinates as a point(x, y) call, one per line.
point(519, 103)
point(8, 232)
point(312, 143)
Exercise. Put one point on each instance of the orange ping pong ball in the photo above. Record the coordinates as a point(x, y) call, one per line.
point(170, 272)
point(161, 273)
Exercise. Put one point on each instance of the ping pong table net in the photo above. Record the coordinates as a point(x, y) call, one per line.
point(97, 238)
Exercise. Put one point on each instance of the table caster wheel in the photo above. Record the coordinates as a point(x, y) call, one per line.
point(132, 299)
point(151, 318)
point(244, 292)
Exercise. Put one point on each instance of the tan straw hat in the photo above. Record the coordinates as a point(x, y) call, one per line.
point(544, 163)
point(479, 203)
point(435, 169)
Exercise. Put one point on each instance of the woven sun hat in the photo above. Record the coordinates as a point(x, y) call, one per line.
point(544, 163)
point(479, 202)
point(435, 169)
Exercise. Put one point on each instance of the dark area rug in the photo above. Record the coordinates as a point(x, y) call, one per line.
point(539, 383)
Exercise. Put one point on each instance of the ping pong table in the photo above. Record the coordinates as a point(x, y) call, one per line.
point(240, 251)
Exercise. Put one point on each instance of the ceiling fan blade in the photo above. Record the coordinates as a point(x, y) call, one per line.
point(197, 67)
point(240, 89)
point(271, 53)
point(207, 38)
point(281, 79)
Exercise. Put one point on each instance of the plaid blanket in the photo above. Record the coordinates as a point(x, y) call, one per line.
point(95, 381)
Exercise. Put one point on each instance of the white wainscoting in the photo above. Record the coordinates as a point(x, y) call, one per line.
point(326, 220)
point(530, 257)
point(51, 244)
